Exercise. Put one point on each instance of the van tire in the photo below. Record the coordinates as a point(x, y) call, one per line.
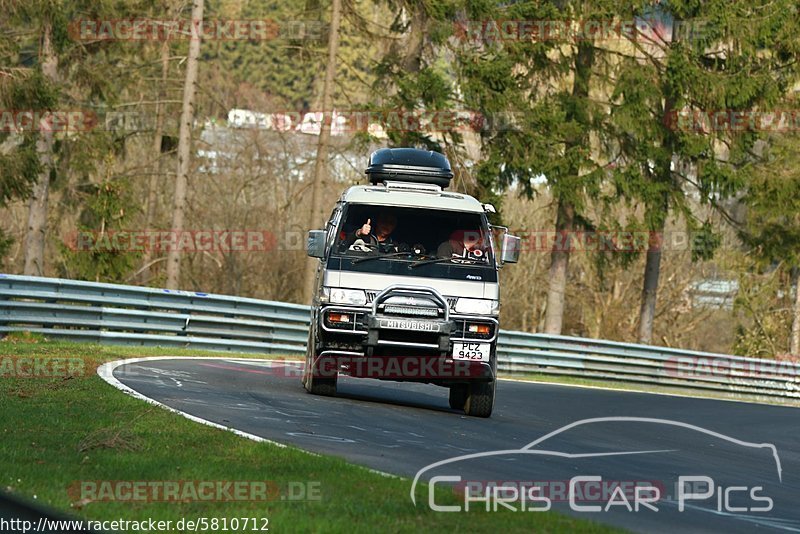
point(317, 385)
point(480, 400)
point(321, 386)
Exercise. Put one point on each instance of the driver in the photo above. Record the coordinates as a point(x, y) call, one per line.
point(378, 235)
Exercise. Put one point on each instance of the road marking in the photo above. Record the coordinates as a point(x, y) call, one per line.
point(106, 372)
point(322, 437)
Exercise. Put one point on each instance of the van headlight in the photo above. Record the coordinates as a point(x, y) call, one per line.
point(346, 296)
point(477, 306)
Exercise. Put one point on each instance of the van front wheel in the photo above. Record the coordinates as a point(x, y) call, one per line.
point(480, 400)
point(316, 382)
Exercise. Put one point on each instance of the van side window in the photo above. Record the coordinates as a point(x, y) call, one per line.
point(332, 225)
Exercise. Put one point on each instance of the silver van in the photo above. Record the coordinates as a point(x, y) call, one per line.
point(407, 287)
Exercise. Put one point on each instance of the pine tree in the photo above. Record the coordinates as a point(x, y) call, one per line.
point(103, 250)
point(772, 228)
point(538, 93)
point(718, 56)
point(46, 70)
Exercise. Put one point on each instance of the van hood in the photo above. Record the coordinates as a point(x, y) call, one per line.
point(379, 282)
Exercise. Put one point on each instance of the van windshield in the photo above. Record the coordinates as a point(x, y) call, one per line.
point(375, 231)
point(413, 242)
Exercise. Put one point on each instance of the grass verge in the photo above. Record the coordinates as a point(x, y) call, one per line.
point(61, 429)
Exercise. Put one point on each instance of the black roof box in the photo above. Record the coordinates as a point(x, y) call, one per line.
point(409, 165)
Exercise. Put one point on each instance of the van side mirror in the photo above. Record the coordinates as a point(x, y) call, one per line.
point(315, 246)
point(509, 250)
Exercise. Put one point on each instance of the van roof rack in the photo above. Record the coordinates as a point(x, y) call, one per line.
point(410, 186)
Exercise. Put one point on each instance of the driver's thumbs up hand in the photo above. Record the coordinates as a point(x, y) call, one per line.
point(366, 228)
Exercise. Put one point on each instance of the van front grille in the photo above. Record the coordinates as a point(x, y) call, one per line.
point(451, 301)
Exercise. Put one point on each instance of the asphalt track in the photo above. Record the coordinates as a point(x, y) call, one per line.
point(402, 428)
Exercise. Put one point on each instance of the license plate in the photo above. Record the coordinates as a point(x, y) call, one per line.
point(476, 352)
point(405, 324)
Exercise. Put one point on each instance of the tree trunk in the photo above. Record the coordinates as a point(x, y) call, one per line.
point(652, 272)
point(184, 145)
point(409, 47)
point(321, 162)
point(652, 268)
point(37, 208)
point(794, 345)
point(565, 220)
point(559, 261)
point(152, 185)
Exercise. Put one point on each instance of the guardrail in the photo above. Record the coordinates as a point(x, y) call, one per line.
point(131, 315)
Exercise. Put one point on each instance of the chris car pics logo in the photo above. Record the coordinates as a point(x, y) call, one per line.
point(590, 492)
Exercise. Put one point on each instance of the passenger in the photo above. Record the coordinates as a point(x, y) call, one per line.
point(463, 244)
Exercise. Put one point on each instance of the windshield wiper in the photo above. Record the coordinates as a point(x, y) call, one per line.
point(440, 260)
point(379, 256)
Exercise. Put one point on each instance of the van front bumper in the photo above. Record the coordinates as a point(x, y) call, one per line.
point(371, 345)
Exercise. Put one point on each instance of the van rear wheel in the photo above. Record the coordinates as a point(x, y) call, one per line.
point(480, 400)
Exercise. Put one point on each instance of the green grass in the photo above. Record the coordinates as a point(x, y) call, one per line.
point(58, 430)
